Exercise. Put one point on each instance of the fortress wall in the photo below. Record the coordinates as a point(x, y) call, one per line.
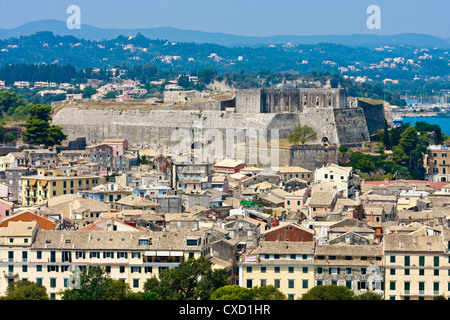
point(156, 128)
point(205, 105)
point(322, 121)
point(248, 101)
point(275, 100)
point(312, 156)
point(351, 125)
point(375, 115)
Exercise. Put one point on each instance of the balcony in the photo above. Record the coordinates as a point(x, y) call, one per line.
point(162, 259)
point(10, 275)
point(422, 293)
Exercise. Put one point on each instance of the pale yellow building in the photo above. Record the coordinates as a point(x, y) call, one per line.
point(289, 266)
point(54, 258)
point(51, 183)
point(416, 265)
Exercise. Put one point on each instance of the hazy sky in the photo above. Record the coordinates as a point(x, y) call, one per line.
point(243, 17)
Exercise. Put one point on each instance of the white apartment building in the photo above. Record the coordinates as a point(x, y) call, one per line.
point(341, 178)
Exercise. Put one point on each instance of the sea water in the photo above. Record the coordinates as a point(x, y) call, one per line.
point(444, 123)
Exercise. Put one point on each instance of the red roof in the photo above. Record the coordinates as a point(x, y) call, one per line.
point(275, 222)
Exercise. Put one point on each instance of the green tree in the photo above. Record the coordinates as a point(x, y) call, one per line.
point(110, 95)
point(386, 140)
point(206, 75)
point(408, 140)
point(95, 284)
point(269, 292)
point(143, 159)
point(370, 295)
point(362, 162)
point(343, 150)
point(38, 129)
point(399, 155)
point(232, 292)
point(329, 292)
point(303, 134)
point(210, 282)
point(10, 101)
point(191, 280)
point(401, 172)
point(25, 290)
point(89, 91)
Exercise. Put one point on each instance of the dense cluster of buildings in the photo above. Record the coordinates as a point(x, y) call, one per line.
point(138, 212)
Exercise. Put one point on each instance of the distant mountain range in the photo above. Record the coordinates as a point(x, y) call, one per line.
point(89, 32)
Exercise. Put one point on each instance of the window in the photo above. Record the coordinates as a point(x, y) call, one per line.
point(135, 283)
point(192, 242)
point(348, 270)
point(249, 269)
point(348, 284)
point(436, 287)
point(319, 270)
point(52, 282)
point(108, 254)
point(38, 254)
point(421, 287)
point(305, 284)
point(276, 283)
point(122, 255)
point(94, 255)
point(249, 283)
point(407, 261)
point(436, 261)
point(135, 269)
point(291, 269)
point(277, 269)
point(263, 269)
point(122, 269)
point(136, 255)
point(52, 268)
point(406, 286)
point(291, 284)
point(407, 272)
point(305, 269)
point(392, 285)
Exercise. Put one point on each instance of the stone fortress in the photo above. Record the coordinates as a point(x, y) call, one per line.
point(336, 118)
